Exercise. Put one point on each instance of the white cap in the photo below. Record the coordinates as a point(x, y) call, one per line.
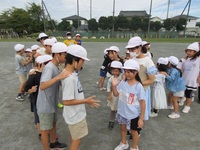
point(18, 47)
point(55, 40)
point(134, 41)
point(163, 60)
point(131, 65)
point(28, 50)
point(194, 46)
point(68, 33)
point(173, 60)
point(105, 51)
point(113, 48)
point(145, 43)
point(34, 47)
point(43, 58)
point(41, 35)
point(49, 42)
point(59, 47)
point(78, 35)
point(127, 52)
point(78, 51)
point(116, 64)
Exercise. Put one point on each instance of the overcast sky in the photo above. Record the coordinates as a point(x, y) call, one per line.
point(64, 8)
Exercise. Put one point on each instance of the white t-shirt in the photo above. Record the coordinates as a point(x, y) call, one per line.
point(129, 97)
point(191, 71)
point(72, 90)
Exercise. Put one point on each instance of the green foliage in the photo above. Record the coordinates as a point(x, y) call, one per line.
point(155, 26)
point(121, 23)
point(103, 23)
point(64, 26)
point(92, 25)
point(135, 23)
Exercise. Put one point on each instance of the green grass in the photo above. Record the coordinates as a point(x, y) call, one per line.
point(167, 40)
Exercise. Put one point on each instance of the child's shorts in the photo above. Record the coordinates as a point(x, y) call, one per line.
point(189, 93)
point(113, 103)
point(47, 120)
point(134, 125)
point(78, 130)
point(22, 78)
point(179, 94)
point(103, 73)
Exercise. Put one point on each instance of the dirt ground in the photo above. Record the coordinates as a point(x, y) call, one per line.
point(17, 131)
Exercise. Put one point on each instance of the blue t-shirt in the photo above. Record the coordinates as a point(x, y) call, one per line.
point(129, 97)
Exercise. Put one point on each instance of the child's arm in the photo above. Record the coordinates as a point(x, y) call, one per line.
point(115, 82)
point(150, 80)
point(90, 101)
point(47, 84)
point(32, 90)
point(109, 85)
point(141, 118)
point(109, 96)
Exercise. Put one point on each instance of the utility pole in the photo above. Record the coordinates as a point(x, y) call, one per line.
point(149, 17)
point(43, 13)
point(113, 25)
point(90, 9)
point(78, 14)
point(187, 16)
point(168, 9)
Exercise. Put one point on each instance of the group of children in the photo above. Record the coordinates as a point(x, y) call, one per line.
point(130, 97)
point(137, 93)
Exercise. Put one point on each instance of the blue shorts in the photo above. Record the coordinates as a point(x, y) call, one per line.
point(103, 73)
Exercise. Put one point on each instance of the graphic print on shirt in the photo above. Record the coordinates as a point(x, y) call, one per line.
point(131, 98)
point(79, 87)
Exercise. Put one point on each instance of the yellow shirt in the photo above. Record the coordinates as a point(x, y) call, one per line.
point(69, 42)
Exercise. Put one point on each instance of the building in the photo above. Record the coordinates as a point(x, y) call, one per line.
point(191, 28)
point(154, 19)
point(130, 14)
point(83, 26)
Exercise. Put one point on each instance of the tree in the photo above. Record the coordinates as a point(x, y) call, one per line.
point(135, 23)
point(181, 24)
point(121, 22)
point(92, 24)
point(64, 26)
point(155, 26)
point(103, 23)
point(144, 24)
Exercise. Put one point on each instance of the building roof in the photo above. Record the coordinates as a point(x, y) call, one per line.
point(134, 13)
point(74, 17)
point(185, 17)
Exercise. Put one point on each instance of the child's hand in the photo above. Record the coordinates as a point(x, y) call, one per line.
point(93, 103)
point(115, 81)
point(63, 74)
point(34, 88)
point(164, 73)
point(109, 98)
point(140, 123)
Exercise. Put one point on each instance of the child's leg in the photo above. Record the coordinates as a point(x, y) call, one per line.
point(175, 103)
point(74, 144)
point(45, 139)
point(135, 138)
point(123, 133)
point(169, 98)
point(52, 133)
point(112, 115)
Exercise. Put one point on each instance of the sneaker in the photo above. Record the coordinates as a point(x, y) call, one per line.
point(19, 98)
point(181, 101)
point(103, 88)
point(122, 146)
point(39, 137)
point(153, 114)
point(97, 83)
point(134, 148)
point(131, 138)
point(186, 109)
point(174, 115)
point(111, 125)
point(170, 107)
point(57, 145)
point(60, 105)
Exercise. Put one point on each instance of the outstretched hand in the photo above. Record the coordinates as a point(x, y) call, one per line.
point(92, 102)
point(115, 81)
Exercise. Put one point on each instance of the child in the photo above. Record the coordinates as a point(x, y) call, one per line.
point(74, 111)
point(175, 84)
point(28, 57)
point(103, 70)
point(190, 67)
point(47, 99)
point(78, 39)
point(21, 70)
point(116, 67)
point(158, 96)
point(146, 45)
point(69, 41)
point(32, 85)
point(131, 104)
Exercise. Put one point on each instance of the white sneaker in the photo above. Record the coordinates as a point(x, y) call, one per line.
point(19, 98)
point(134, 148)
point(122, 146)
point(153, 114)
point(97, 83)
point(174, 115)
point(193, 99)
point(103, 88)
point(170, 107)
point(186, 109)
point(181, 101)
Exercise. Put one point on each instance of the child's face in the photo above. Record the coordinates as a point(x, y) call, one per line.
point(48, 49)
point(61, 57)
point(112, 55)
point(80, 64)
point(190, 53)
point(129, 74)
point(115, 72)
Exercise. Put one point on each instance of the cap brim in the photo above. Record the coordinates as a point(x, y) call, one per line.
point(85, 58)
point(129, 68)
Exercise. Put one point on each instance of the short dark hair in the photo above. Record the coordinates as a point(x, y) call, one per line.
point(70, 58)
point(162, 67)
